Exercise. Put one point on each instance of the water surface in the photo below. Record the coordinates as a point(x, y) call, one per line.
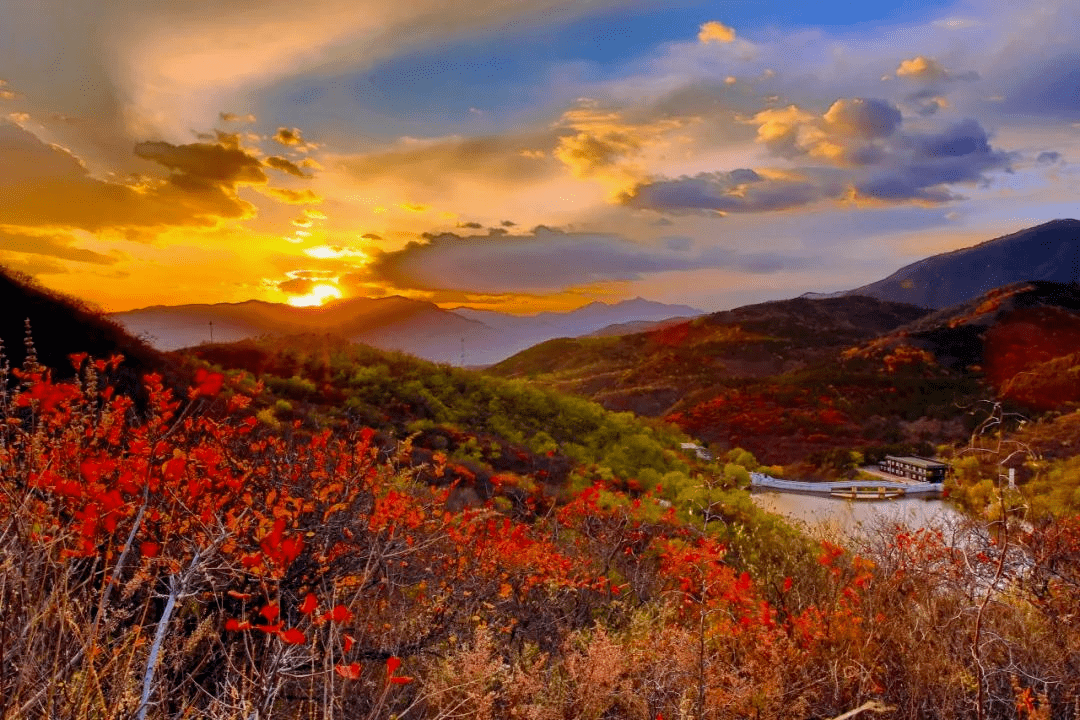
point(834, 517)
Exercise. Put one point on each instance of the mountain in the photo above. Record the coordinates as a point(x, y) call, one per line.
point(392, 323)
point(637, 326)
point(1023, 338)
point(61, 326)
point(419, 328)
point(515, 333)
point(1047, 252)
point(652, 373)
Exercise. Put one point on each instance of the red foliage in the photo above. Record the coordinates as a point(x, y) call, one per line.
point(309, 605)
point(349, 672)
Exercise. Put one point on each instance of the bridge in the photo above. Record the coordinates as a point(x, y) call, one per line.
point(845, 488)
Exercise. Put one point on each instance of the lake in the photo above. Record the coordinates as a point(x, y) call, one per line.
point(833, 517)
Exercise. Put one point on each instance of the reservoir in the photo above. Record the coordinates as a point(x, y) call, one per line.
point(831, 517)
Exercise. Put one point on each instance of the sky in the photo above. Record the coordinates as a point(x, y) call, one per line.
point(523, 155)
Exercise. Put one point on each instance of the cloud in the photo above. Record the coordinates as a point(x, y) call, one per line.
point(927, 101)
point(604, 144)
point(925, 164)
point(307, 196)
point(738, 191)
point(432, 164)
point(863, 118)
point(897, 167)
point(296, 286)
point(286, 166)
point(47, 185)
point(1047, 87)
point(717, 32)
point(234, 117)
point(205, 165)
point(548, 259)
point(57, 245)
point(922, 68)
point(290, 137)
point(1048, 157)
point(845, 134)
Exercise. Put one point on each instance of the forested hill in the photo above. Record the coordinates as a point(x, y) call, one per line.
point(489, 425)
point(650, 373)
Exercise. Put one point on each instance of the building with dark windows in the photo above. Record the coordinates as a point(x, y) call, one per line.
point(914, 468)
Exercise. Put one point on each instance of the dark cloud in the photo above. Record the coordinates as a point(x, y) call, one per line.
point(905, 167)
point(470, 225)
point(718, 192)
point(508, 223)
point(865, 118)
point(1048, 157)
point(201, 166)
point(234, 117)
point(296, 286)
point(46, 185)
point(290, 137)
point(927, 164)
point(926, 102)
point(286, 166)
point(547, 259)
point(371, 236)
point(680, 243)
point(54, 246)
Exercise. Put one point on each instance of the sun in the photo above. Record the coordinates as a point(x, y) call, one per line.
point(319, 295)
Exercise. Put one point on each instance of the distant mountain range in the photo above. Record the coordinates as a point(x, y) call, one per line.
point(1048, 252)
point(481, 337)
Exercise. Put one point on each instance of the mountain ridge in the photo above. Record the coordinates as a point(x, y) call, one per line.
point(1048, 252)
point(417, 327)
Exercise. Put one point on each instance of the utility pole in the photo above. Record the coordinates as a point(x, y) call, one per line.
point(462, 352)
point(211, 332)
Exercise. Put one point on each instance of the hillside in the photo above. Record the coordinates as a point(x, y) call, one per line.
point(654, 372)
point(1048, 252)
point(215, 555)
point(1023, 338)
point(61, 326)
point(485, 425)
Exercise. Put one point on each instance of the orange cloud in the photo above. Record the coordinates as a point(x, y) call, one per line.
point(290, 137)
point(47, 185)
point(717, 32)
point(51, 244)
point(286, 166)
point(921, 68)
point(292, 197)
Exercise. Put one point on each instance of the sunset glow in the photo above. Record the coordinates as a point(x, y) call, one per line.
point(528, 155)
point(319, 295)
